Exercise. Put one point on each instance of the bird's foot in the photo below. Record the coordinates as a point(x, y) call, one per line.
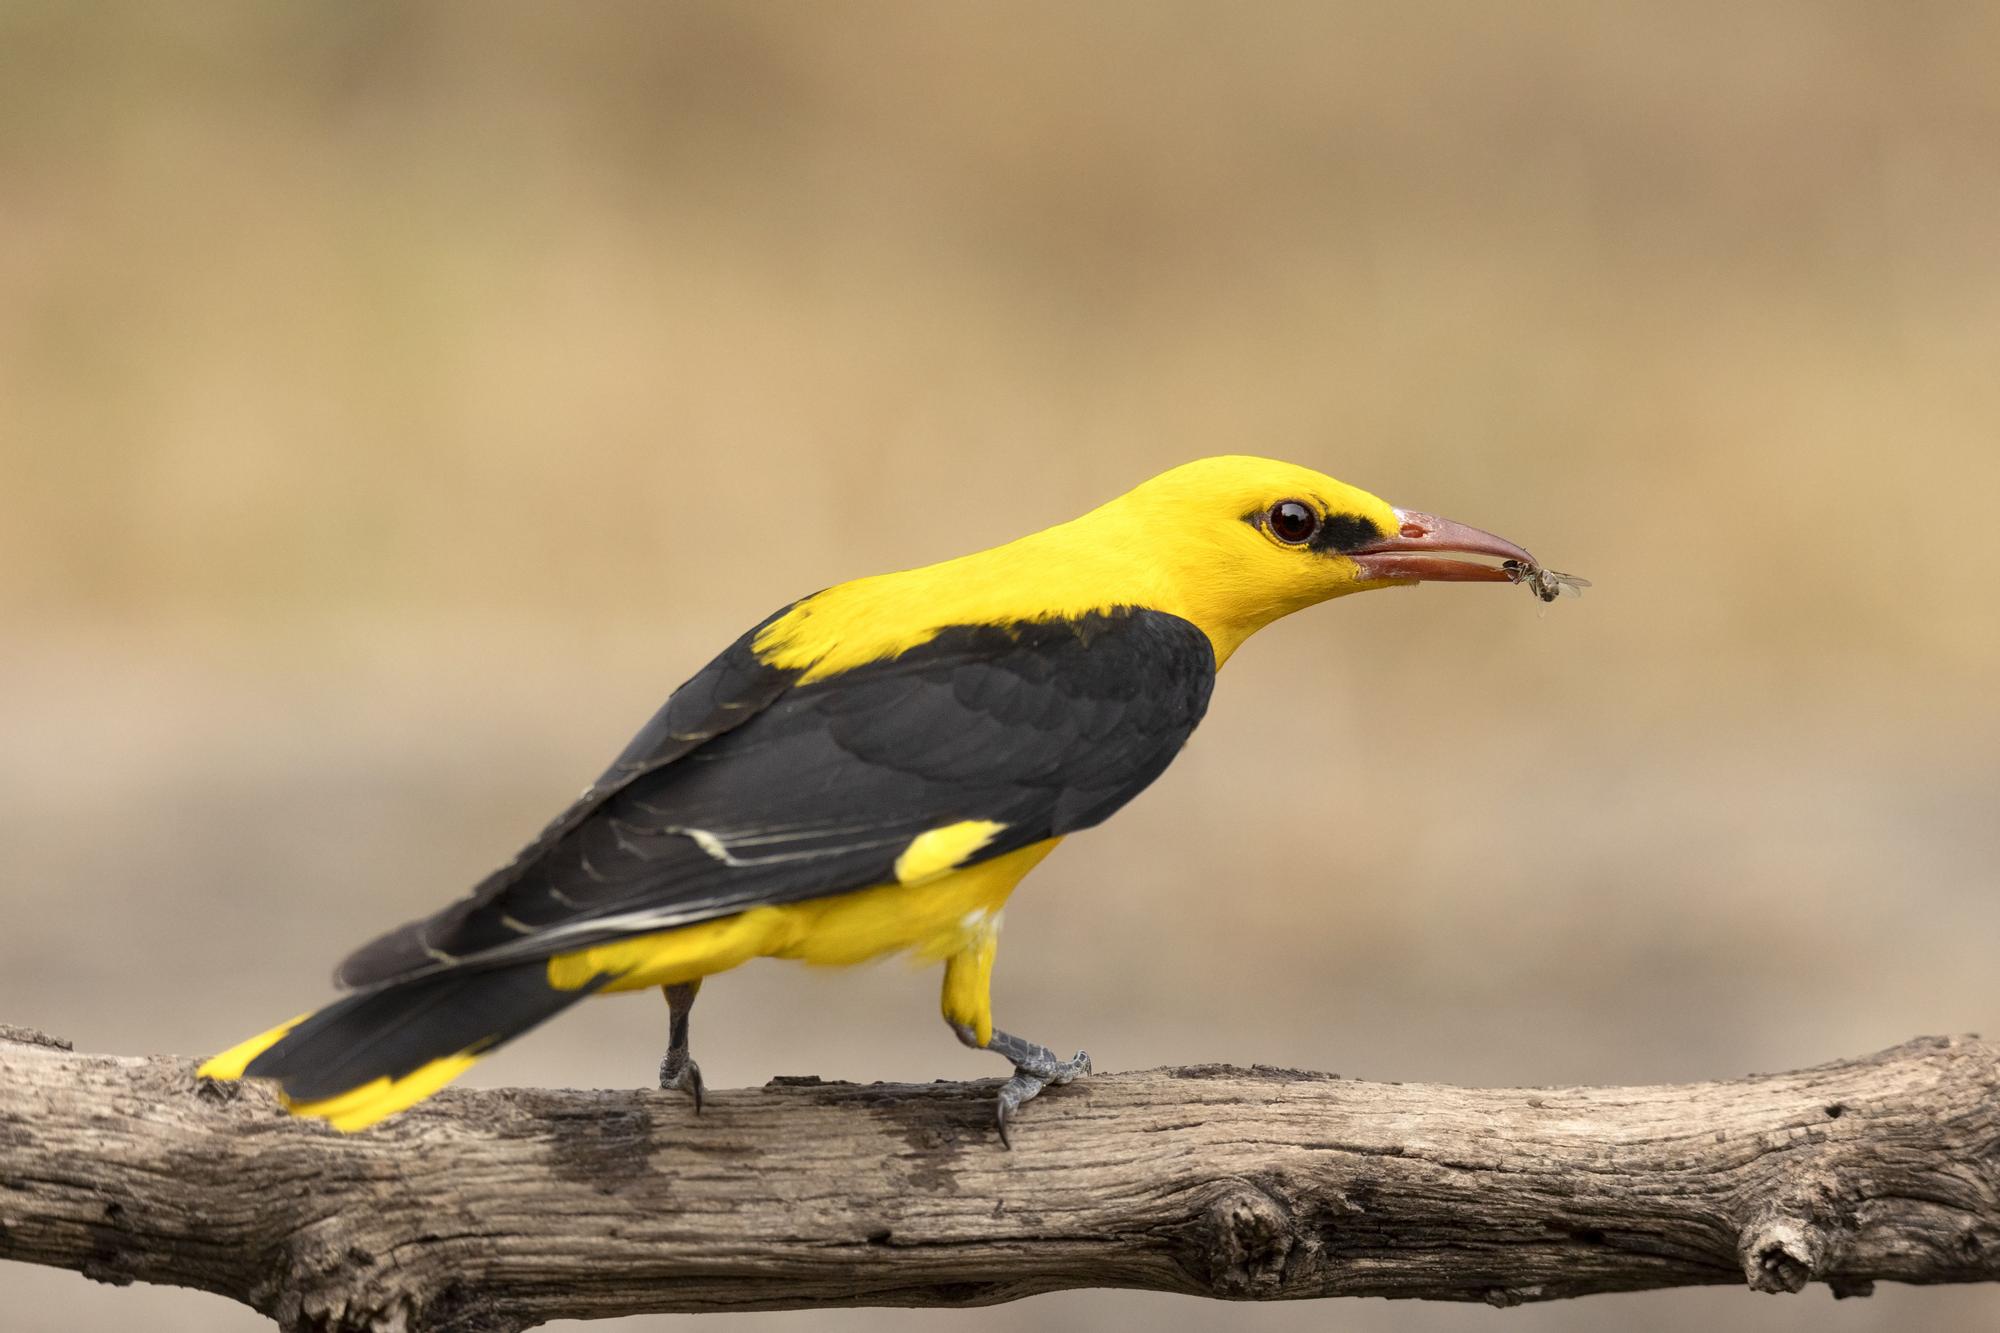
point(678, 1071)
point(1029, 1079)
point(1035, 1067)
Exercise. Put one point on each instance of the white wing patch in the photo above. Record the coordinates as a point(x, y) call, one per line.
point(928, 856)
point(724, 846)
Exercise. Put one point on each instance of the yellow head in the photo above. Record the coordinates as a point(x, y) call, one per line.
point(1230, 544)
point(1242, 541)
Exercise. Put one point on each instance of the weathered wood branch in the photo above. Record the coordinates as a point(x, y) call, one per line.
point(499, 1210)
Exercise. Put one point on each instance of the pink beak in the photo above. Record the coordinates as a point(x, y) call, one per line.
point(1418, 553)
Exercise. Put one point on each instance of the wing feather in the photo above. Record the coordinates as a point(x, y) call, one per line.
point(748, 788)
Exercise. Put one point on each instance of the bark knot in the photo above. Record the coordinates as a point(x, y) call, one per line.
point(1781, 1253)
point(1246, 1238)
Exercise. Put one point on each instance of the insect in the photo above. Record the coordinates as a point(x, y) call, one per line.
point(1547, 584)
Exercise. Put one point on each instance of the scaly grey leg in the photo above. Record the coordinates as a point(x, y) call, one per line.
point(677, 1067)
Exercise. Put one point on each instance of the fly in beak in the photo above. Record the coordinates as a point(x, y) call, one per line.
point(1421, 549)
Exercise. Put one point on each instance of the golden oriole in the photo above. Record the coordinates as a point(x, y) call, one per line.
point(870, 770)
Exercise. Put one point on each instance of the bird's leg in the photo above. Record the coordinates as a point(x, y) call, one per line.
point(677, 1067)
point(968, 1008)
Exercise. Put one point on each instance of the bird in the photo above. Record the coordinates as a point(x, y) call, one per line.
point(868, 771)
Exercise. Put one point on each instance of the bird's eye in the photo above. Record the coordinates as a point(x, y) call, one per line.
point(1292, 521)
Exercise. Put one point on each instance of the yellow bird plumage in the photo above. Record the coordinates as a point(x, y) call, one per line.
point(870, 771)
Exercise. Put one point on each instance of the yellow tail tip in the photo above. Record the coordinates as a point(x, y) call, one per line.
point(357, 1108)
point(232, 1062)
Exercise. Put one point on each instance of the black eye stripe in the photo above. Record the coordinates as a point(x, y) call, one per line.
point(1345, 532)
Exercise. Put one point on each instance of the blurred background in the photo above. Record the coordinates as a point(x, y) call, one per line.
point(397, 401)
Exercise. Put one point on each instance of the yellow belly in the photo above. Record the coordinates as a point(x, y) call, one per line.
point(935, 918)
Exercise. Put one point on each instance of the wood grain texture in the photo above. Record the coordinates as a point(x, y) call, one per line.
point(499, 1210)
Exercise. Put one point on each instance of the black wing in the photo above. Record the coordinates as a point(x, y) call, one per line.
point(748, 788)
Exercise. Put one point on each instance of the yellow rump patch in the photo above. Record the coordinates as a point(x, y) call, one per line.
point(232, 1062)
point(669, 957)
point(935, 916)
point(932, 854)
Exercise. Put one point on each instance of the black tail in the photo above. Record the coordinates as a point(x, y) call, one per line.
point(404, 1029)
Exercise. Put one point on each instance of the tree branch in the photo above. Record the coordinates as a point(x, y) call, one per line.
point(499, 1210)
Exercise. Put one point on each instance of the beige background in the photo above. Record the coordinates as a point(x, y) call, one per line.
point(395, 402)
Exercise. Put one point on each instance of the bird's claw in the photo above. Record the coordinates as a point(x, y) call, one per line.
point(679, 1072)
point(1028, 1080)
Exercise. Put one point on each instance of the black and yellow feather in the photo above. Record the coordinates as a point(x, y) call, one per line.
point(870, 770)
